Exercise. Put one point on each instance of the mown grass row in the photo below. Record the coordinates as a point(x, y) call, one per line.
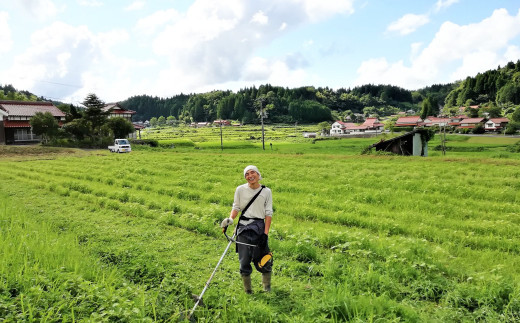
point(371, 266)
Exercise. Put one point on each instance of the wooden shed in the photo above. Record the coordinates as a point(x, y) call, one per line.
point(413, 143)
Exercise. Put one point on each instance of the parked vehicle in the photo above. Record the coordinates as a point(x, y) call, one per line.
point(120, 146)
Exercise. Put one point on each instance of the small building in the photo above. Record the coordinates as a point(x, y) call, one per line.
point(373, 124)
point(496, 124)
point(118, 111)
point(411, 121)
point(409, 144)
point(436, 121)
point(15, 116)
point(309, 135)
point(222, 123)
point(470, 123)
point(340, 128)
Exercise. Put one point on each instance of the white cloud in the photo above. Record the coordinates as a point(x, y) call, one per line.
point(321, 9)
point(5, 33)
point(41, 9)
point(59, 53)
point(443, 4)
point(408, 23)
point(90, 3)
point(470, 48)
point(65, 61)
point(260, 18)
point(222, 48)
point(148, 25)
point(136, 5)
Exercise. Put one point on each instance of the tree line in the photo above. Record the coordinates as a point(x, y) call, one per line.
point(497, 91)
point(284, 105)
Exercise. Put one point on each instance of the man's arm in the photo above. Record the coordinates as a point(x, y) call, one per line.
point(268, 220)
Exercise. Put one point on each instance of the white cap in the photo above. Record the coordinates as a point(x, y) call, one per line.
point(252, 167)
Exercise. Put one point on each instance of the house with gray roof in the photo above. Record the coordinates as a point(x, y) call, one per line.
point(15, 116)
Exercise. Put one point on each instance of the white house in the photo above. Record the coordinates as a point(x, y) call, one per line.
point(496, 124)
point(340, 128)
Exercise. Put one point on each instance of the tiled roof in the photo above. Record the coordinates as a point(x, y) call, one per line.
point(29, 109)
point(499, 120)
point(117, 109)
point(408, 119)
point(472, 120)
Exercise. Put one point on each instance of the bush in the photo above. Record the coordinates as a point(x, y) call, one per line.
point(479, 129)
point(514, 148)
point(149, 142)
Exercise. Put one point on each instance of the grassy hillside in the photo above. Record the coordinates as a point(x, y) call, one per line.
point(102, 237)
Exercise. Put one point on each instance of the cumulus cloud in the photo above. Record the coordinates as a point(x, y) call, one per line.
point(260, 18)
point(221, 48)
point(136, 5)
point(5, 33)
point(58, 54)
point(408, 23)
point(90, 3)
point(322, 9)
point(150, 24)
point(443, 4)
point(470, 48)
point(40, 9)
point(63, 58)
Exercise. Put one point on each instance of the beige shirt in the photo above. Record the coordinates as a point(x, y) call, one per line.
point(261, 207)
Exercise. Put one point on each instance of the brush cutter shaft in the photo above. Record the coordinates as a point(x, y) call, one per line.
point(210, 278)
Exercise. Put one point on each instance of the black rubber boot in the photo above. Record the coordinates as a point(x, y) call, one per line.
point(247, 284)
point(266, 281)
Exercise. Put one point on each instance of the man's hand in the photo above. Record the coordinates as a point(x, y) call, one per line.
point(226, 222)
point(262, 241)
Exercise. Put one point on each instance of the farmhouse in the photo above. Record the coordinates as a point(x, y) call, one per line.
point(15, 116)
point(370, 125)
point(470, 123)
point(496, 124)
point(435, 121)
point(118, 111)
point(413, 143)
point(340, 127)
point(222, 123)
point(411, 121)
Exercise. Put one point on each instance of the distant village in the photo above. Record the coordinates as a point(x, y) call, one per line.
point(15, 127)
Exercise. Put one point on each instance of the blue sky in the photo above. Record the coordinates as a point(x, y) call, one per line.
point(65, 49)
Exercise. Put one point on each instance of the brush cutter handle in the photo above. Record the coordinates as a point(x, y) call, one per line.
point(232, 239)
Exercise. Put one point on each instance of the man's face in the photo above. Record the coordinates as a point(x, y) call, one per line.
point(252, 177)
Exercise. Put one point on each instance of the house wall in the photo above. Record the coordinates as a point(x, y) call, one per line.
point(417, 146)
point(2, 133)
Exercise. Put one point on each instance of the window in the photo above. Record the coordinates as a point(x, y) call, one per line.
point(25, 134)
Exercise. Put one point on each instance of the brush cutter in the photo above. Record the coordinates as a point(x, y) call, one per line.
point(231, 239)
point(199, 298)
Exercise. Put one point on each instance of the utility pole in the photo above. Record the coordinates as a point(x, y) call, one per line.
point(262, 103)
point(221, 142)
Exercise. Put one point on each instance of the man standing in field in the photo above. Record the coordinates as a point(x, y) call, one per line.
point(253, 227)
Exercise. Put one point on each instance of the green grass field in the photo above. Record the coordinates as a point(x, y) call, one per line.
point(94, 236)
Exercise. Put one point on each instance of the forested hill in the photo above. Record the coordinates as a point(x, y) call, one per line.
point(281, 104)
point(500, 86)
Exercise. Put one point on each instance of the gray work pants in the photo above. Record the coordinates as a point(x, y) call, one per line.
point(246, 254)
